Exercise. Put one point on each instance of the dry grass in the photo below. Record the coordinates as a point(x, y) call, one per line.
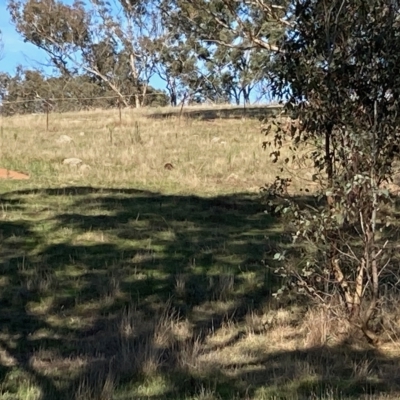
point(211, 156)
point(124, 279)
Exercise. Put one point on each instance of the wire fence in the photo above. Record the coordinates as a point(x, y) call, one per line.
point(41, 106)
point(71, 103)
point(48, 106)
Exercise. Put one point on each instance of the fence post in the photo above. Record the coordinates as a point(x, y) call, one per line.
point(119, 110)
point(47, 115)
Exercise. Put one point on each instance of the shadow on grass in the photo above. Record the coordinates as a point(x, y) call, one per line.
point(100, 289)
point(221, 113)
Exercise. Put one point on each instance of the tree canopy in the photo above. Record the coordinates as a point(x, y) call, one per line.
point(201, 50)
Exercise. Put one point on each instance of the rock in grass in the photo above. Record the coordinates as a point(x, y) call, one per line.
point(73, 161)
point(84, 167)
point(64, 139)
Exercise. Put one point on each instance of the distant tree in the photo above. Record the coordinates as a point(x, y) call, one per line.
point(237, 72)
point(60, 30)
point(228, 49)
point(31, 91)
point(334, 65)
point(126, 42)
point(113, 45)
point(175, 65)
point(135, 26)
point(4, 83)
point(337, 69)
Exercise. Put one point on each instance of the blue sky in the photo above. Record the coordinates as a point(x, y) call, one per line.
point(15, 50)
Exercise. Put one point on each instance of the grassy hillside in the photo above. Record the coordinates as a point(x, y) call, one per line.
point(139, 273)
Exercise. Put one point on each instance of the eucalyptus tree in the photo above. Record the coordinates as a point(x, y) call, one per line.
point(228, 63)
point(109, 41)
point(176, 65)
point(335, 66)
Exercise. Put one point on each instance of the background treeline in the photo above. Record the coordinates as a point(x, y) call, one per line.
point(30, 91)
point(97, 48)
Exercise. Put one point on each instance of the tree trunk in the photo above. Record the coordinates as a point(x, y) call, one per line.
point(135, 79)
point(173, 98)
point(246, 95)
point(109, 83)
point(144, 91)
point(137, 100)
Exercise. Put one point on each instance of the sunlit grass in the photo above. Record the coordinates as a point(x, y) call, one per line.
point(211, 156)
point(124, 279)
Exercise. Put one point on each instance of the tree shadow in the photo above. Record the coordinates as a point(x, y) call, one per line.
point(103, 289)
point(221, 113)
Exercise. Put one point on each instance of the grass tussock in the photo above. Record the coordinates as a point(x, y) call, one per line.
point(124, 279)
